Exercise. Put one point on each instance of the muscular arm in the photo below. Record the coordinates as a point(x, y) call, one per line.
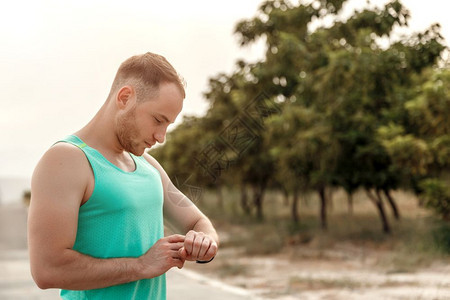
point(59, 185)
point(201, 238)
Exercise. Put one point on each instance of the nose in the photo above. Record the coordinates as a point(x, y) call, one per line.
point(160, 135)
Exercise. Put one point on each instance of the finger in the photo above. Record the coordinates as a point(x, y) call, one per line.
point(189, 243)
point(198, 244)
point(174, 254)
point(177, 262)
point(176, 246)
point(175, 238)
point(212, 251)
point(183, 254)
point(204, 248)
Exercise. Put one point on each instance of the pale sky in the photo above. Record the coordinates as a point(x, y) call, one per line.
point(58, 59)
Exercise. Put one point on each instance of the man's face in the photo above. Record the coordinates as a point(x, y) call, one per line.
point(145, 123)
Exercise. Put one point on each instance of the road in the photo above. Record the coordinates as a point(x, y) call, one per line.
point(16, 282)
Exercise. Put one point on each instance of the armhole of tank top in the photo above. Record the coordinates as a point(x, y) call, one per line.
point(145, 163)
point(80, 147)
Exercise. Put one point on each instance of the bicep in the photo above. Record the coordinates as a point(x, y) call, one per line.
point(179, 210)
point(57, 189)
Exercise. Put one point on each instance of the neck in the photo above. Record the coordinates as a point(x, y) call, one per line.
point(99, 133)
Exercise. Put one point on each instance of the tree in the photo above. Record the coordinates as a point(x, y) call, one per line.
point(328, 106)
point(343, 74)
point(420, 146)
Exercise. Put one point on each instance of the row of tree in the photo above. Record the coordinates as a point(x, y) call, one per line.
point(351, 105)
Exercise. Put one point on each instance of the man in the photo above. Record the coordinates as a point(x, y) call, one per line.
point(95, 227)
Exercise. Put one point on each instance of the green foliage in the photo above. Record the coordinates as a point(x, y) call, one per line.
point(409, 153)
point(351, 111)
point(437, 196)
point(440, 146)
point(441, 236)
point(430, 109)
point(420, 149)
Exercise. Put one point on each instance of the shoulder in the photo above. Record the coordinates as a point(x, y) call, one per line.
point(64, 152)
point(62, 173)
point(152, 161)
point(62, 158)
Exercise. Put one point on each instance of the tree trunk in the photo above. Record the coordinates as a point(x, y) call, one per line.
point(350, 203)
point(323, 208)
point(244, 200)
point(329, 197)
point(391, 201)
point(294, 210)
point(376, 199)
point(258, 192)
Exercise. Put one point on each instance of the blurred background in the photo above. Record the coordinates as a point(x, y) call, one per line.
point(315, 134)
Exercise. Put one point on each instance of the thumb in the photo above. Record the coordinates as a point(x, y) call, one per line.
point(183, 253)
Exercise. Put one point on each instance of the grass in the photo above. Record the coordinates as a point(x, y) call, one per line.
point(417, 239)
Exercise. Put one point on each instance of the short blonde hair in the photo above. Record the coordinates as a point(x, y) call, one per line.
point(145, 73)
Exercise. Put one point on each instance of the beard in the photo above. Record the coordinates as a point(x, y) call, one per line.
point(127, 132)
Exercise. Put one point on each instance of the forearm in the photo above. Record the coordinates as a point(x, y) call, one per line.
point(75, 271)
point(69, 269)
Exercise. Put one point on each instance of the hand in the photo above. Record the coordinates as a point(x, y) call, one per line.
point(162, 256)
point(198, 246)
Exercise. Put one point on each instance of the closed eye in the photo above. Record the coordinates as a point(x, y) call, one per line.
point(157, 120)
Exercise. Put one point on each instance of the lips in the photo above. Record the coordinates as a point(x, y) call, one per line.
point(149, 145)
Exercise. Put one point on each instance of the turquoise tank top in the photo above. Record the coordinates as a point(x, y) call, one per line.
point(122, 218)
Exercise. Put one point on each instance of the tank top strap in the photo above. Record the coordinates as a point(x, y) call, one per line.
point(74, 140)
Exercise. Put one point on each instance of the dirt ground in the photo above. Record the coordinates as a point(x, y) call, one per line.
point(344, 272)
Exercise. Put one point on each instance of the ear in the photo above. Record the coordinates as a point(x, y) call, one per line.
point(124, 96)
